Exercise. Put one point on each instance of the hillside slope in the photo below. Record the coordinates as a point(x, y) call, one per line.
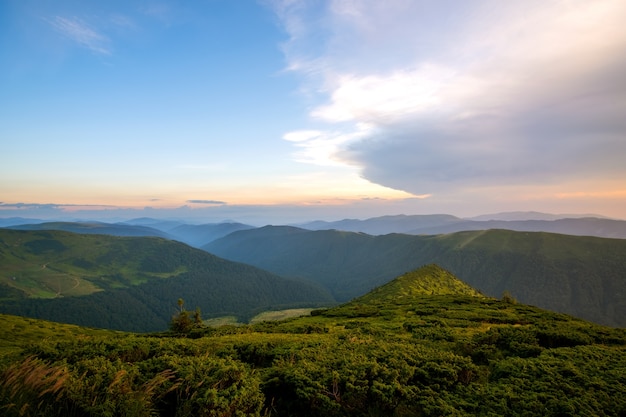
point(131, 283)
point(582, 276)
point(427, 280)
point(391, 354)
point(201, 234)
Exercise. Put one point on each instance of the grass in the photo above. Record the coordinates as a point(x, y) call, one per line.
point(18, 332)
point(273, 315)
point(67, 264)
point(221, 321)
point(429, 355)
point(280, 315)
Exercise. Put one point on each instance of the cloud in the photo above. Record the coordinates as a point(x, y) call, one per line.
point(210, 202)
point(320, 147)
point(437, 98)
point(82, 33)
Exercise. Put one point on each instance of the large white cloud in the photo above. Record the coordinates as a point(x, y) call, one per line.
point(436, 97)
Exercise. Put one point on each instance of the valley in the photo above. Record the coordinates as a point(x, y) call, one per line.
point(133, 283)
point(579, 275)
point(61, 269)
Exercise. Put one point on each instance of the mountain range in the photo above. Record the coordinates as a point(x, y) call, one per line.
point(191, 234)
point(443, 223)
point(579, 275)
point(198, 235)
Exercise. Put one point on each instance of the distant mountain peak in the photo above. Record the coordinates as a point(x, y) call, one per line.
point(531, 215)
point(427, 280)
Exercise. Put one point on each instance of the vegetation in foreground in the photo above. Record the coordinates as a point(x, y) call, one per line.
point(403, 350)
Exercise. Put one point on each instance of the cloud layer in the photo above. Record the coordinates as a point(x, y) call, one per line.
point(447, 98)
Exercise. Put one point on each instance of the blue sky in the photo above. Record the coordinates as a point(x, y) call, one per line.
point(293, 110)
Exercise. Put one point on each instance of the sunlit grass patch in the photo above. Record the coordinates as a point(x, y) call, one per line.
point(280, 314)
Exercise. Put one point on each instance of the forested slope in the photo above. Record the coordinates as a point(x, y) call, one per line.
point(132, 283)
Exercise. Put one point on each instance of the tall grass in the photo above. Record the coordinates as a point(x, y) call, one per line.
point(31, 388)
point(35, 389)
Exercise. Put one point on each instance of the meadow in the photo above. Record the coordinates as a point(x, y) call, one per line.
point(403, 350)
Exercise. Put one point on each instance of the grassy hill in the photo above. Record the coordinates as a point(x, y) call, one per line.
point(428, 280)
point(578, 275)
point(394, 352)
point(18, 332)
point(132, 283)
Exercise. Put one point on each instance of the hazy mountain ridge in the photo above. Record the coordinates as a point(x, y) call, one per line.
point(131, 283)
point(582, 276)
point(16, 221)
point(439, 224)
point(200, 234)
point(113, 229)
point(531, 215)
point(385, 224)
point(192, 234)
point(576, 227)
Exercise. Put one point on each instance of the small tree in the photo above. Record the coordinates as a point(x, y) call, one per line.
point(508, 298)
point(197, 317)
point(181, 322)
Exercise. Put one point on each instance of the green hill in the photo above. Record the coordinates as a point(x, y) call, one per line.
point(17, 332)
point(428, 280)
point(390, 353)
point(133, 284)
point(578, 275)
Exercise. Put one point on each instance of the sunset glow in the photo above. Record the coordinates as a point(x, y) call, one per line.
point(353, 108)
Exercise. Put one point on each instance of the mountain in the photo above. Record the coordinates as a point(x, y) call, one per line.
point(531, 215)
point(15, 221)
point(132, 283)
point(385, 224)
point(117, 229)
point(442, 223)
point(577, 227)
point(191, 234)
point(198, 235)
point(159, 224)
point(578, 275)
point(389, 353)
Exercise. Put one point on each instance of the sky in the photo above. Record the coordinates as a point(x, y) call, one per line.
point(285, 110)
